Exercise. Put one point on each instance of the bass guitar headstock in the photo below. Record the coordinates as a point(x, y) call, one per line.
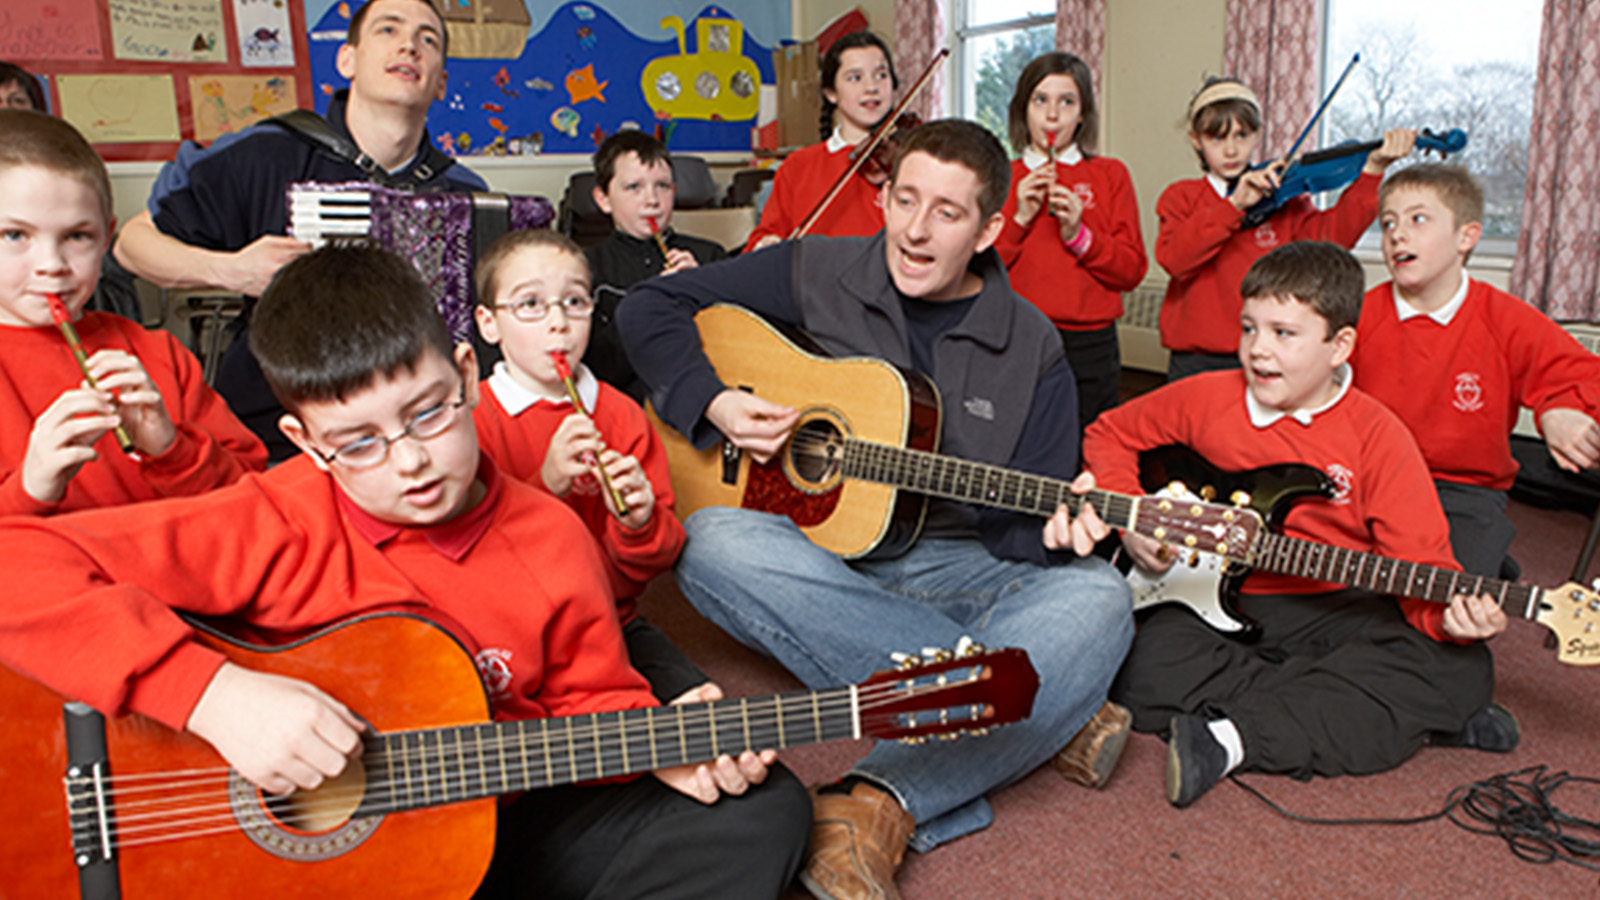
point(1572, 611)
point(948, 693)
point(1176, 516)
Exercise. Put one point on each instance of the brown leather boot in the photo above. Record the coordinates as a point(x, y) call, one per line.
point(857, 842)
point(1092, 754)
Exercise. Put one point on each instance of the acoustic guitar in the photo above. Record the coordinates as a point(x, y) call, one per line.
point(97, 808)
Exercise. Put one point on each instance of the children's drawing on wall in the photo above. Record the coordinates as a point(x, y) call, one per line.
point(183, 31)
point(120, 108)
point(584, 71)
point(225, 103)
point(263, 30)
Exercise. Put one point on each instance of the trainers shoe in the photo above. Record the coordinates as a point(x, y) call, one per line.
point(857, 842)
point(1492, 728)
point(1092, 754)
point(1195, 760)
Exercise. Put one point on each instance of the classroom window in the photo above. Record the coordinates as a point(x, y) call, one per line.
point(1442, 64)
point(994, 39)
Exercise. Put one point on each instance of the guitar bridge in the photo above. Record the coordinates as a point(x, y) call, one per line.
point(89, 804)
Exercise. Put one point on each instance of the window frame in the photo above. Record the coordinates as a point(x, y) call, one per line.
point(965, 89)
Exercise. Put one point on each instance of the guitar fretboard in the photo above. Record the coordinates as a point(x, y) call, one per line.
point(953, 478)
point(449, 765)
point(1307, 559)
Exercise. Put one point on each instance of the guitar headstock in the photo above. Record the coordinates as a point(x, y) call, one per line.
point(1181, 519)
point(1572, 611)
point(964, 692)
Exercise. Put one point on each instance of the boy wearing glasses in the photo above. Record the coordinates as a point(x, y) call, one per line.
point(534, 300)
point(391, 505)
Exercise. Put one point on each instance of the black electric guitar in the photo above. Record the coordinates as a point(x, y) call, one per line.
point(148, 812)
point(1224, 549)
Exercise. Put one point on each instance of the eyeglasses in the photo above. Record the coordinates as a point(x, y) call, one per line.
point(370, 451)
point(532, 309)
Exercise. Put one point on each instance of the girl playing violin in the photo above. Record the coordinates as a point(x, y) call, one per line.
point(1202, 242)
point(858, 84)
point(1071, 241)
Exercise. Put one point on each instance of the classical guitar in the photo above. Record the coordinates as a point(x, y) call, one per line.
point(1222, 549)
point(149, 812)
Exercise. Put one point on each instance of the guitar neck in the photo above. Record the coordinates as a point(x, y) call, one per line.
point(958, 479)
point(1321, 562)
point(414, 769)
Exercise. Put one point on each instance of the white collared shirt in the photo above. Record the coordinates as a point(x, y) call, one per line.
point(1218, 184)
point(514, 398)
point(836, 141)
point(1403, 309)
point(1262, 417)
point(1069, 155)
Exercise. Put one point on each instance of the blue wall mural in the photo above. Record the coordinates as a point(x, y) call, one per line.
point(583, 74)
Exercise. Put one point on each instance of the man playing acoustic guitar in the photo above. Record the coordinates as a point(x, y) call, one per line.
point(927, 294)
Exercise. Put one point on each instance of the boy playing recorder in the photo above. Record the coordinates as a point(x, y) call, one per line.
point(57, 452)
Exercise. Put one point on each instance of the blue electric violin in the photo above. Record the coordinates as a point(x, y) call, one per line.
point(1332, 168)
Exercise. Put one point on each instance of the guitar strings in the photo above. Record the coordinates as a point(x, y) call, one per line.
point(199, 810)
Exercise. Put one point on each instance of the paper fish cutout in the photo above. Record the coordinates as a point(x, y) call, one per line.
point(581, 85)
point(565, 120)
point(493, 107)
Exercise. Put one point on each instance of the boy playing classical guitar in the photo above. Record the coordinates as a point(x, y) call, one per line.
point(1456, 359)
point(1341, 681)
point(391, 504)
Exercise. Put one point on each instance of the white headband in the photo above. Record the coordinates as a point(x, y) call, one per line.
point(1222, 90)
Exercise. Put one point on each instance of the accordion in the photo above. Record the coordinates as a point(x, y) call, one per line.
point(441, 233)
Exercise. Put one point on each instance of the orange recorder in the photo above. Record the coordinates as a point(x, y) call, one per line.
point(565, 371)
point(63, 320)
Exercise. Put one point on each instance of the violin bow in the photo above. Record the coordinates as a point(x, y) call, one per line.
point(1317, 116)
point(886, 126)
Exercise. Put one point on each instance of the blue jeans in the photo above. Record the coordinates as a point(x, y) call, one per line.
point(833, 622)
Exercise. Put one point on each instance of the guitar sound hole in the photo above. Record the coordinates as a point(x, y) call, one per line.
point(817, 452)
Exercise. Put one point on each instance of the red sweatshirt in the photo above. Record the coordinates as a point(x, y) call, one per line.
point(1078, 293)
point(519, 440)
point(1458, 386)
point(1386, 503)
point(803, 179)
point(90, 610)
point(212, 447)
point(1201, 246)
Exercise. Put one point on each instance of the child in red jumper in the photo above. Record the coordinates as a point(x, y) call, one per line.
point(534, 299)
point(391, 504)
point(1342, 681)
point(1075, 263)
point(1456, 359)
point(1202, 242)
point(858, 84)
point(57, 452)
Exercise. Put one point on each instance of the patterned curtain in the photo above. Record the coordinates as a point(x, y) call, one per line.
point(1081, 31)
point(919, 32)
point(1274, 47)
point(1557, 267)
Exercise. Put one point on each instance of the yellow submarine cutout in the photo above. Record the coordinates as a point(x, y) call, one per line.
point(718, 82)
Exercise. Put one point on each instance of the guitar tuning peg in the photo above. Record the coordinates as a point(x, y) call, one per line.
point(1208, 493)
point(904, 661)
point(1176, 487)
point(935, 654)
point(915, 740)
point(967, 648)
point(1239, 498)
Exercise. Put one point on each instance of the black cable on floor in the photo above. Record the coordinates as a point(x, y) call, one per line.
point(1518, 807)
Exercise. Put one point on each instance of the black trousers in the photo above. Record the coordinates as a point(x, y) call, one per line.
point(642, 839)
point(1096, 360)
point(1480, 531)
point(1338, 684)
point(1182, 365)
